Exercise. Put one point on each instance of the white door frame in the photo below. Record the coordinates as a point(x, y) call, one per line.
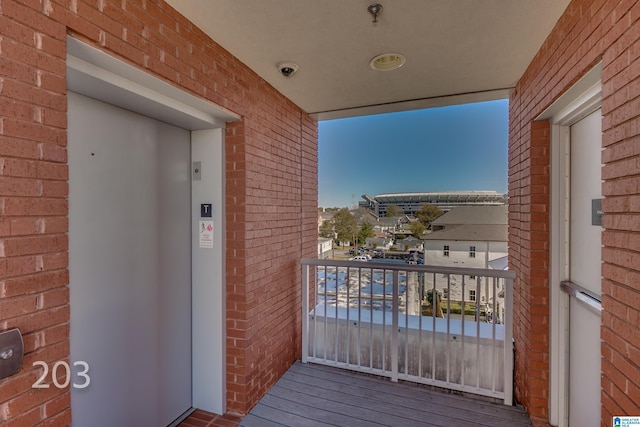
point(94, 73)
point(578, 102)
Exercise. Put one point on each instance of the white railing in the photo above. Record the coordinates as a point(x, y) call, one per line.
point(442, 326)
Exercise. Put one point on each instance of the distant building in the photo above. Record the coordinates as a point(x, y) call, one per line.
point(410, 203)
point(471, 215)
point(324, 216)
point(324, 247)
point(386, 226)
point(472, 237)
point(379, 243)
point(408, 244)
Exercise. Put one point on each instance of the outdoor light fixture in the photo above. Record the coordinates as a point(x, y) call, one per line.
point(387, 61)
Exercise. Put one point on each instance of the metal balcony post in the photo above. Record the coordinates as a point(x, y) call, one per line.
point(305, 312)
point(394, 327)
point(508, 341)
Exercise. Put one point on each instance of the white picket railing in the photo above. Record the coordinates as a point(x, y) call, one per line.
point(406, 322)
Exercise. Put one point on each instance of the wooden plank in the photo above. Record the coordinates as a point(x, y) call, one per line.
point(274, 416)
point(251, 420)
point(323, 413)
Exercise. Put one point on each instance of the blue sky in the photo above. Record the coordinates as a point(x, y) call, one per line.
point(462, 147)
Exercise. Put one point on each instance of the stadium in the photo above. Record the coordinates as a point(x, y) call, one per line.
point(409, 203)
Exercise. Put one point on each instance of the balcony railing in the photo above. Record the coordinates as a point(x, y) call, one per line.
point(442, 326)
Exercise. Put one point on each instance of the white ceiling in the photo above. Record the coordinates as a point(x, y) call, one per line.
point(457, 51)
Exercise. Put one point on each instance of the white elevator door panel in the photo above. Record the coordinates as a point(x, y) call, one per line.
point(585, 270)
point(130, 265)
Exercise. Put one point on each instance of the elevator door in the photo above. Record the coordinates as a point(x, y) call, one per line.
point(130, 265)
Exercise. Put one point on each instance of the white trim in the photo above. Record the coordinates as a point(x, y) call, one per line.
point(580, 108)
point(414, 104)
point(94, 73)
point(559, 270)
point(579, 101)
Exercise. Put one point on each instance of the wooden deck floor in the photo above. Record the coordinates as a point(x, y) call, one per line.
point(313, 395)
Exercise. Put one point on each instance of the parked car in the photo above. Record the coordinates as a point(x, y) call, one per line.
point(359, 258)
point(378, 253)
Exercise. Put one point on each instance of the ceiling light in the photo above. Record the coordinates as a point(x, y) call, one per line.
point(387, 61)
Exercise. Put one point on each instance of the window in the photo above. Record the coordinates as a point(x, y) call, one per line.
point(472, 251)
point(446, 250)
point(472, 295)
point(445, 293)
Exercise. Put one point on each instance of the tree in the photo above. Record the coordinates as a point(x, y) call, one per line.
point(345, 225)
point(427, 214)
point(417, 229)
point(326, 229)
point(365, 231)
point(393, 210)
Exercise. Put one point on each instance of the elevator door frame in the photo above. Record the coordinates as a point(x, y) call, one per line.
point(92, 72)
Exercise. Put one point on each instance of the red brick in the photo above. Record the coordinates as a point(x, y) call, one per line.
point(40, 319)
point(23, 226)
point(54, 261)
point(32, 245)
point(28, 419)
point(29, 400)
point(56, 225)
point(18, 187)
point(57, 405)
point(34, 283)
point(53, 152)
point(16, 148)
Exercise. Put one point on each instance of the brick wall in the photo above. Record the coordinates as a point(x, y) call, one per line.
point(589, 31)
point(529, 257)
point(266, 221)
point(271, 189)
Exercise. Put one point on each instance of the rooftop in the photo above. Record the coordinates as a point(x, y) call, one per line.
point(487, 215)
